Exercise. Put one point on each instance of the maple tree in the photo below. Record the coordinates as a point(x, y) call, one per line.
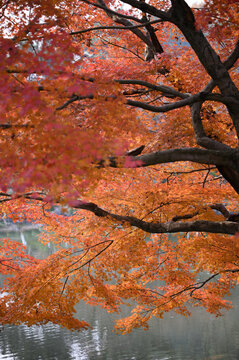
point(126, 113)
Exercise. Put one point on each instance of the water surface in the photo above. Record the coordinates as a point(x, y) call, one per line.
point(199, 337)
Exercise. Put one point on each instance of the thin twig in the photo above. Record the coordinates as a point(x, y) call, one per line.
point(205, 179)
point(122, 47)
point(114, 27)
point(65, 282)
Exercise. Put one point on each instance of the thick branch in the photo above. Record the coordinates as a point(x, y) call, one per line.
point(181, 103)
point(165, 90)
point(227, 162)
point(229, 173)
point(201, 156)
point(148, 9)
point(233, 57)
point(180, 13)
point(182, 17)
point(231, 60)
point(112, 11)
point(156, 46)
point(201, 138)
point(217, 227)
point(123, 21)
point(222, 227)
point(134, 30)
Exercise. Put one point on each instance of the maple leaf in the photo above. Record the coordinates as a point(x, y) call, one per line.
point(84, 84)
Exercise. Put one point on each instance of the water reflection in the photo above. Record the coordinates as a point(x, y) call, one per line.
point(200, 337)
point(30, 239)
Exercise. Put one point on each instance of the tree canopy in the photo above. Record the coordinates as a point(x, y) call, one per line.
point(126, 115)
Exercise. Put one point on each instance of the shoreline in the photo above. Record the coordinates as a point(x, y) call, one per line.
point(19, 227)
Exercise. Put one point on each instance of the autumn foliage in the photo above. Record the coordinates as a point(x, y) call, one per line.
point(125, 114)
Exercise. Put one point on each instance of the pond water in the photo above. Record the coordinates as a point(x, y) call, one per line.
point(199, 337)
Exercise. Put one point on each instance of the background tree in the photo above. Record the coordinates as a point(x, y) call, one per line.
point(127, 113)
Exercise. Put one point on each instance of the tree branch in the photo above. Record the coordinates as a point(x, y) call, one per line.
point(148, 9)
point(229, 63)
point(201, 138)
point(181, 103)
point(127, 23)
point(222, 209)
point(114, 27)
point(112, 11)
point(218, 227)
point(184, 217)
point(223, 227)
point(106, 41)
point(189, 171)
point(180, 14)
point(15, 126)
point(202, 283)
point(165, 90)
point(201, 156)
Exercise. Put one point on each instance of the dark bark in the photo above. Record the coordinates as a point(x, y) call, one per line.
point(230, 226)
point(218, 227)
point(202, 156)
point(231, 175)
point(207, 56)
point(219, 154)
